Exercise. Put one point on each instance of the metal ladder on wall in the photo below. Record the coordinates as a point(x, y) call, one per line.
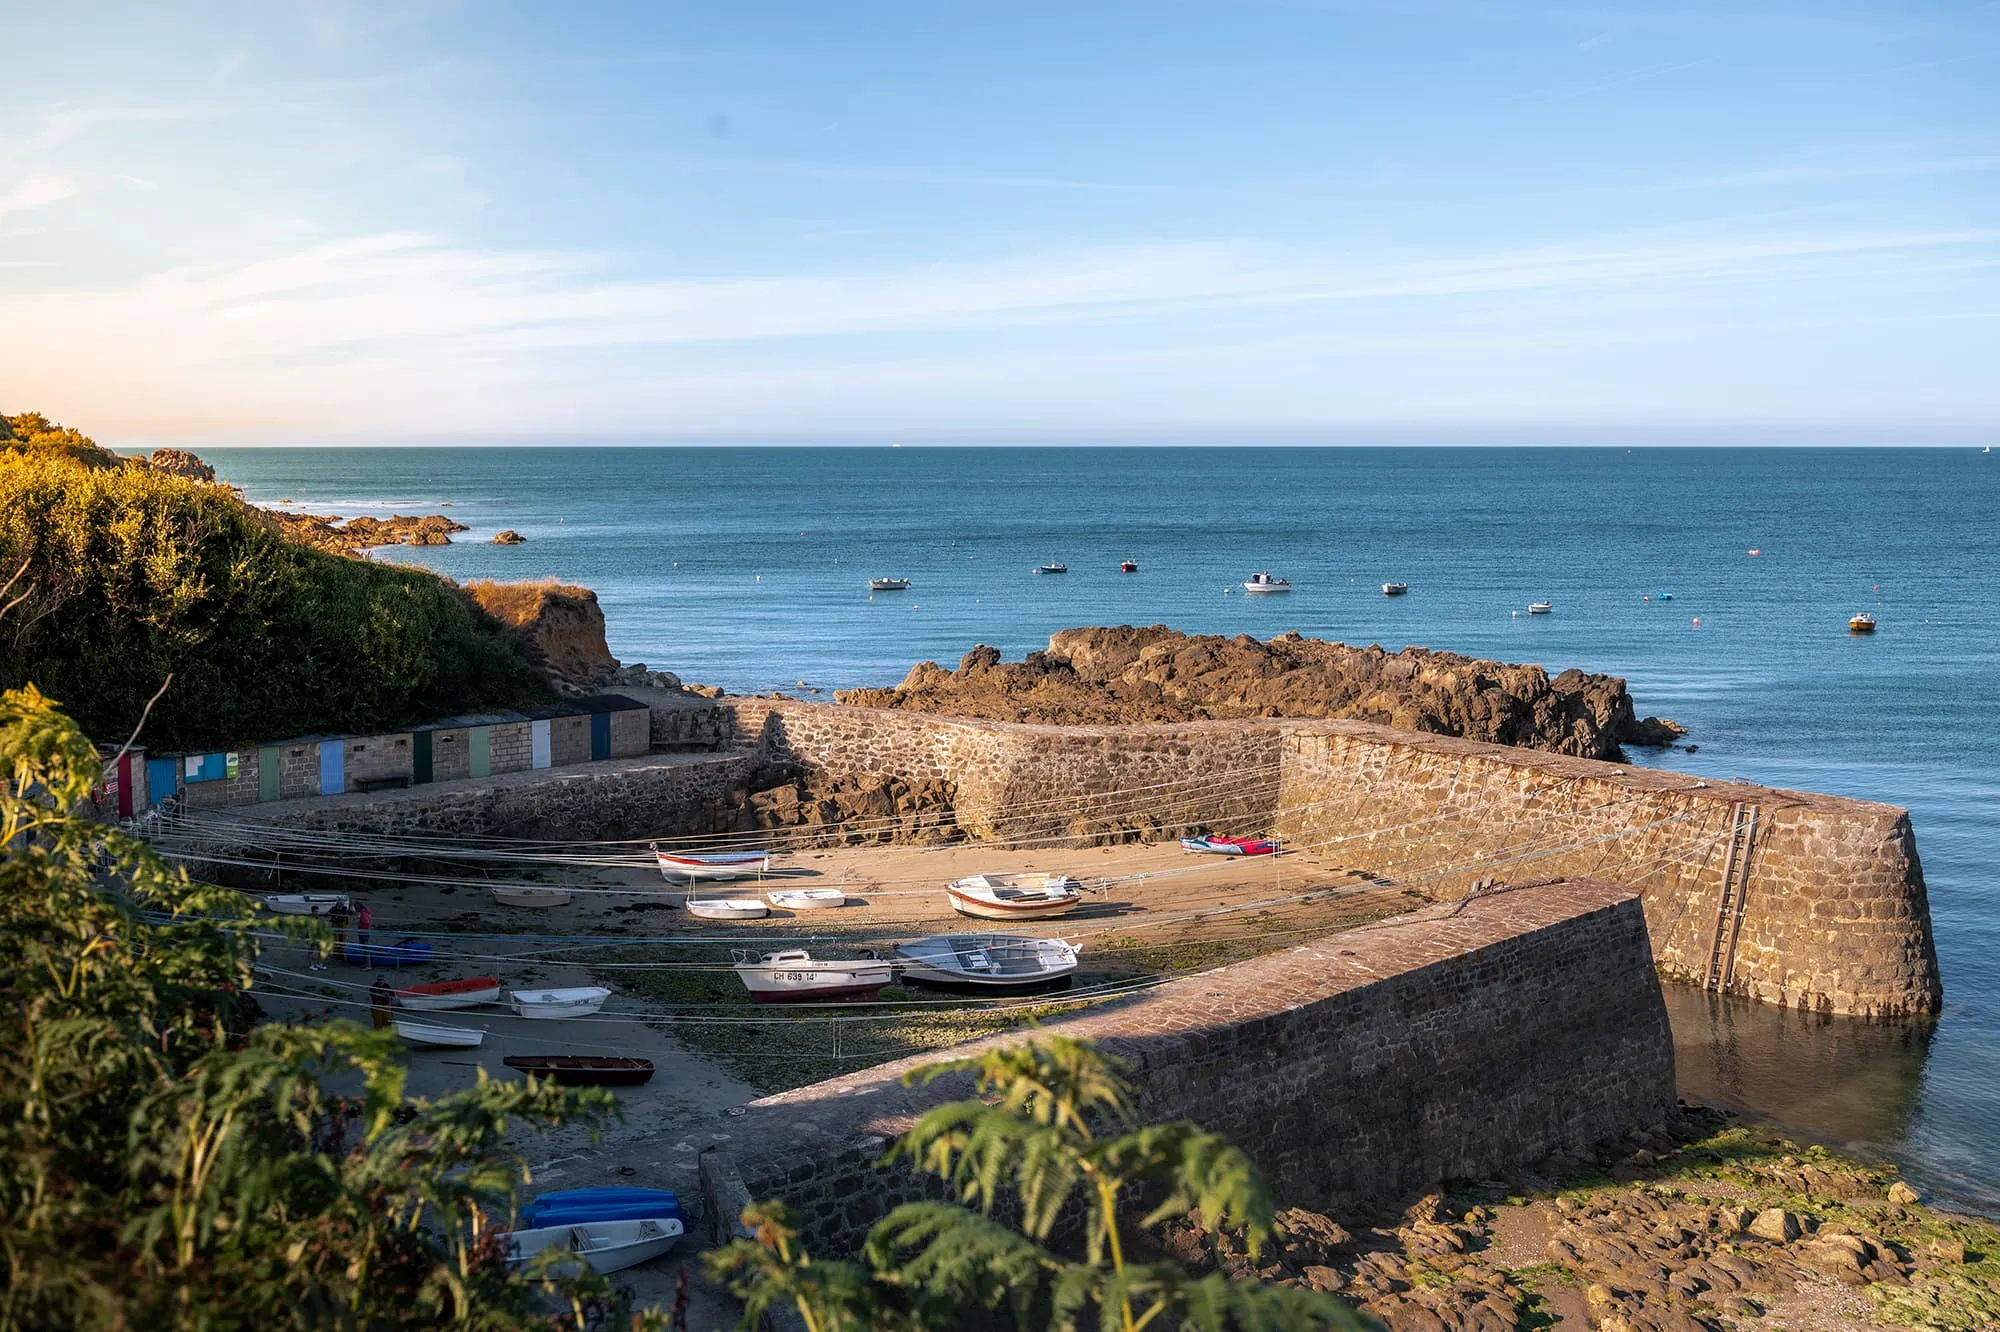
point(1729, 906)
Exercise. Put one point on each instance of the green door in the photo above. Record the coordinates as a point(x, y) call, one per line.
point(267, 773)
point(420, 757)
point(479, 751)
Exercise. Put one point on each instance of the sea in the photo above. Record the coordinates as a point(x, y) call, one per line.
point(1718, 582)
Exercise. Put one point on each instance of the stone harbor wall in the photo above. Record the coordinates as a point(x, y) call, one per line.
point(1783, 896)
point(1459, 1042)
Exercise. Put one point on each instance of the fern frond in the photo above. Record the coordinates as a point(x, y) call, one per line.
point(1200, 1170)
point(1054, 1080)
point(1214, 1303)
point(958, 1259)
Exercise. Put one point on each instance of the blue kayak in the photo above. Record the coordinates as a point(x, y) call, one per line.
point(404, 953)
point(568, 1207)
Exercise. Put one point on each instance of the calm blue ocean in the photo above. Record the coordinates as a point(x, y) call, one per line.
point(746, 568)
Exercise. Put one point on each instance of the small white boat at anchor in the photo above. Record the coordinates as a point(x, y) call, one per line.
point(1395, 589)
point(888, 585)
point(532, 897)
point(806, 899)
point(575, 1001)
point(692, 865)
point(793, 976)
point(1264, 584)
point(602, 1246)
point(431, 1033)
point(1014, 896)
point(1541, 607)
point(304, 904)
point(982, 962)
point(725, 908)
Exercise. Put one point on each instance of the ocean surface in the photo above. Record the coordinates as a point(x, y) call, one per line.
point(747, 568)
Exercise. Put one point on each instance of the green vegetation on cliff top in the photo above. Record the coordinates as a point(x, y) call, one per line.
point(128, 575)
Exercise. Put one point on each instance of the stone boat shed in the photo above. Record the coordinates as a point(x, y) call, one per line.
point(574, 731)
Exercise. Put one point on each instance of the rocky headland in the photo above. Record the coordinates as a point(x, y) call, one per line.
point(1127, 675)
point(329, 532)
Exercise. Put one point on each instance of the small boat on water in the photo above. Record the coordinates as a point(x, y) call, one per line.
point(1128, 566)
point(1231, 846)
point(429, 1033)
point(1051, 568)
point(303, 904)
point(1864, 623)
point(402, 953)
point(1540, 607)
point(1663, 596)
point(1014, 896)
point(1394, 589)
point(792, 976)
point(439, 995)
point(725, 908)
point(617, 1202)
point(806, 899)
point(532, 897)
point(888, 585)
point(692, 865)
point(987, 962)
point(1263, 583)
point(576, 1001)
point(585, 1070)
point(602, 1246)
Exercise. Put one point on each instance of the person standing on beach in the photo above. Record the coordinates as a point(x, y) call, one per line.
point(379, 999)
point(316, 950)
point(362, 924)
point(340, 925)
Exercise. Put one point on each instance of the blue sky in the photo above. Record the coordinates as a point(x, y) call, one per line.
point(1095, 222)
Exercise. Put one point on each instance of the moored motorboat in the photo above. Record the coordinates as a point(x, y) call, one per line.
point(1264, 583)
point(1540, 607)
point(1863, 623)
point(532, 897)
point(985, 962)
point(1051, 568)
point(1014, 896)
point(402, 953)
point(585, 1070)
point(888, 585)
point(1231, 846)
point(692, 865)
point(726, 908)
point(430, 1033)
point(1128, 566)
point(602, 1246)
point(1394, 589)
point(439, 995)
point(575, 1001)
point(304, 904)
point(806, 899)
point(793, 976)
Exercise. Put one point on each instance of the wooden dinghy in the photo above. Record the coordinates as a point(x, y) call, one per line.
point(690, 866)
point(429, 1033)
point(791, 976)
point(1014, 896)
point(602, 1246)
point(987, 962)
point(546, 1005)
point(303, 904)
point(585, 1070)
point(532, 897)
point(726, 908)
point(470, 992)
point(806, 899)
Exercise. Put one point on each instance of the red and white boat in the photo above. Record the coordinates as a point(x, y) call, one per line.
point(1014, 896)
point(438, 995)
point(792, 976)
point(1231, 846)
point(693, 865)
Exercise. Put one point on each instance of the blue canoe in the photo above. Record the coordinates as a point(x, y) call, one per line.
point(402, 953)
point(568, 1207)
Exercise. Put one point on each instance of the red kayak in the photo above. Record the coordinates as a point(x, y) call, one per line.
point(467, 993)
point(1232, 846)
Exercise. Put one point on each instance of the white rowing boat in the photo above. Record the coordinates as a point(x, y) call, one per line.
point(303, 904)
point(792, 976)
point(603, 1246)
point(429, 1033)
point(806, 899)
point(576, 1001)
point(711, 864)
point(1014, 896)
point(726, 908)
point(986, 961)
point(532, 897)
point(439, 995)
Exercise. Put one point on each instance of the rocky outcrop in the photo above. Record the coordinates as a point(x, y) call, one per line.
point(329, 533)
point(179, 462)
point(846, 811)
point(1129, 675)
point(508, 537)
point(561, 626)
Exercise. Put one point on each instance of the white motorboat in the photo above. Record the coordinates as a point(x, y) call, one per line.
point(603, 1246)
point(888, 585)
point(986, 961)
point(692, 865)
point(1052, 568)
point(1264, 583)
point(304, 904)
point(792, 976)
point(532, 897)
point(806, 899)
point(1394, 589)
point(1540, 607)
point(576, 1001)
point(726, 908)
point(429, 1033)
point(1014, 896)
point(437, 996)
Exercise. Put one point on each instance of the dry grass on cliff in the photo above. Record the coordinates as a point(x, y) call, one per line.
point(519, 604)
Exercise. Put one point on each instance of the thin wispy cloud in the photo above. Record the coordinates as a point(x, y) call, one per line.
point(36, 192)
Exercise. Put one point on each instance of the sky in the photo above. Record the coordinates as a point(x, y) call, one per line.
point(1206, 221)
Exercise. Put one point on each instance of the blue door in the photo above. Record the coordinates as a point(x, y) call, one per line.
point(163, 779)
point(332, 767)
point(600, 735)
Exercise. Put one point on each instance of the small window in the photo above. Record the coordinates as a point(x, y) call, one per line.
point(358, 749)
point(401, 744)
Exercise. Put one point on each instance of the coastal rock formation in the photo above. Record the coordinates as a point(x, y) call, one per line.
point(327, 532)
point(1123, 675)
point(561, 626)
point(179, 462)
point(508, 537)
point(847, 811)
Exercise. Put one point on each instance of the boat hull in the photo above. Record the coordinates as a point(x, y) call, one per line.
point(985, 909)
point(442, 995)
point(302, 904)
point(546, 1005)
point(428, 1033)
point(603, 1246)
point(814, 982)
point(807, 899)
point(727, 908)
point(692, 868)
point(531, 897)
point(408, 953)
point(584, 1070)
point(987, 963)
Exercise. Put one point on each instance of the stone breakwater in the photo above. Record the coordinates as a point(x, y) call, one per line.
point(1788, 897)
point(1453, 1043)
point(1125, 675)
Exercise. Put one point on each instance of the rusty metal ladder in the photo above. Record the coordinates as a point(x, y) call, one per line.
point(1729, 905)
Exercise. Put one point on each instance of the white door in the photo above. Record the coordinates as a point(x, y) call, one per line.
point(538, 744)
